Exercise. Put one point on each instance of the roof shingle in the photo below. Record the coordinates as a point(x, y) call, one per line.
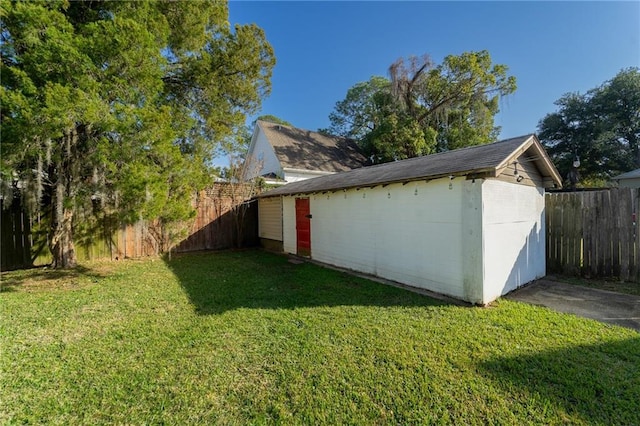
point(476, 159)
point(307, 150)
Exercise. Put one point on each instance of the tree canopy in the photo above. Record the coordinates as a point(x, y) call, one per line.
point(600, 127)
point(424, 108)
point(118, 107)
point(272, 119)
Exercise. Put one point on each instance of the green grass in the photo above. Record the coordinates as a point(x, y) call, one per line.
point(626, 287)
point(246, 337)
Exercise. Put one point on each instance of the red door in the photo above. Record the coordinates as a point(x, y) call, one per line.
point(303, 227)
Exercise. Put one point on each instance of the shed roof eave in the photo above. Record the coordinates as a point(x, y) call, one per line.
point(633, 174)
point(545, 161)
point(474, 162)
point(308, 171)
point(472, 173)
point(546, 167)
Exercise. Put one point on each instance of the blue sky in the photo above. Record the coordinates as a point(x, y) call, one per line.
point(324, 48)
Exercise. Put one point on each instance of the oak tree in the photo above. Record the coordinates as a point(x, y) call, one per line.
point(117, 107)
point(423, 107)
point(600, 127)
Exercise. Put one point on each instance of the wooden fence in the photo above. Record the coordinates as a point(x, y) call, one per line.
point(24, 239)
point(15, 229)
point(594, 233)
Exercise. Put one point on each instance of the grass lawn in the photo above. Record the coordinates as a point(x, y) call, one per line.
point(246, 337)
point(626, 287)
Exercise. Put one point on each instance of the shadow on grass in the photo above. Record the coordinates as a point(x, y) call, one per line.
point(220, 281)
point(600, 383)
point(44, 277)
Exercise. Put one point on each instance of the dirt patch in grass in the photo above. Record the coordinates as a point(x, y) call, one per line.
point(48, 279)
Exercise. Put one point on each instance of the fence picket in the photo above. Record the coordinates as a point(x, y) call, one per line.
point(616, 225)
point(625, 238)
point(213, 228)
point(552, 233)
point(592, 233)
point(635, 251)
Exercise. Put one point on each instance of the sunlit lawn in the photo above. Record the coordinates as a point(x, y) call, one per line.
point(246, 337)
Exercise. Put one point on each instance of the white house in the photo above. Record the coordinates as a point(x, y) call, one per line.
point(628, 180)
point(283, 154)
point(468, 223)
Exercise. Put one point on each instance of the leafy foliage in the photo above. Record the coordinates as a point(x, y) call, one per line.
point(601, 127)
point(362, 110)
point(424, 108)
point(121, 105)
point(273, 119)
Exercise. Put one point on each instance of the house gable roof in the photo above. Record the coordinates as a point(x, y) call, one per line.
point(477, 161)
point(633, 174)
point(306, 150)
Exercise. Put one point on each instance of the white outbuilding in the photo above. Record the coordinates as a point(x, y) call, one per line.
point(468, 223)
point(628, 180)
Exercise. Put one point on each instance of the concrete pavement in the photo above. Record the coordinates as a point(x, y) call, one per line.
point(601, 305)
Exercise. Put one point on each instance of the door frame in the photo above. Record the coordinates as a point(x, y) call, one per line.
point(303, 217)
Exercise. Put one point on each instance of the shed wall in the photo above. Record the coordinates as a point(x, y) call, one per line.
point(270, 218)
point(513, 236)
point(409, 233)
point(475, 241)
point(289, 225)
point(629, 183)
point(471, 240)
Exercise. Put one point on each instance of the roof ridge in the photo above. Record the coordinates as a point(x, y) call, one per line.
point(478, 158)
point(303, 130)
point(277, 124)
point(436, 154)
point(635, 173)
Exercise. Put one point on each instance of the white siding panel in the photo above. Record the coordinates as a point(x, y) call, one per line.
point(514, 236)
point(298, 175)
point(394, 232)
point(263, 158)
point(629, 183)
point(472, 247)
point(270, 218)
point(289, 242)
point(331, 242)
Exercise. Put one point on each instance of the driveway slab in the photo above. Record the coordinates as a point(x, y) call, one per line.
point(600, 305)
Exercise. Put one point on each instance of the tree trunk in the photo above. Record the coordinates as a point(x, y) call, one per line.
point(62, 248)
point(61, 243)
point(635, 145)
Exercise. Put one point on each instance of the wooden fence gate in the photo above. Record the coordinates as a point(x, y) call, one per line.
point(594, 233)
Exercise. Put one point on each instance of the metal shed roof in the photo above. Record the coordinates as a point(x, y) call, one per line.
point(482, 161)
